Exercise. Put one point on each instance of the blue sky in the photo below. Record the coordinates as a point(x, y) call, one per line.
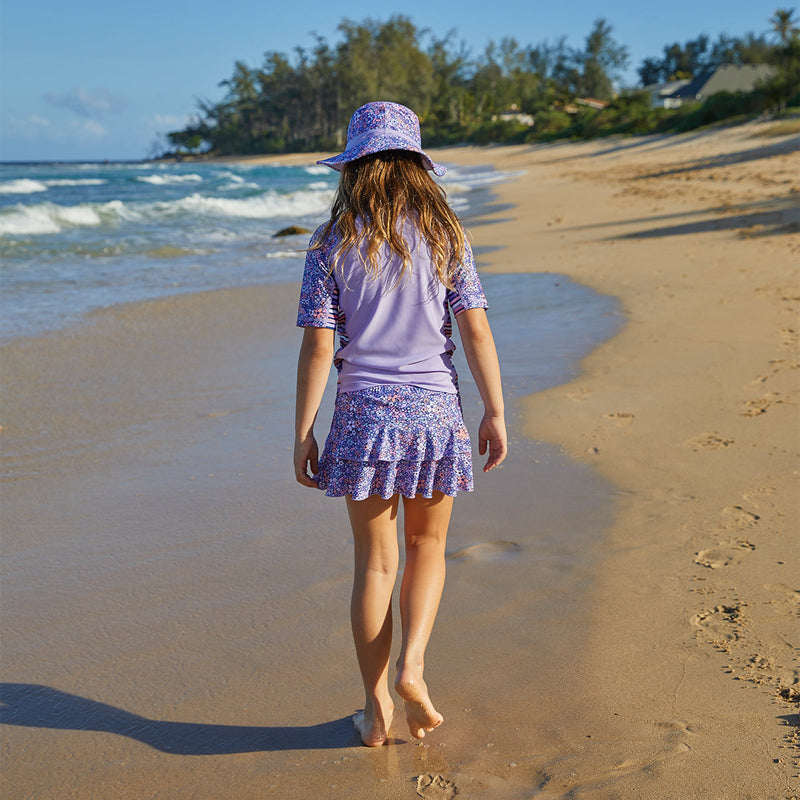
point(93, 79)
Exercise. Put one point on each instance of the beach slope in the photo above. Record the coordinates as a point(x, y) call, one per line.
point(691, 682)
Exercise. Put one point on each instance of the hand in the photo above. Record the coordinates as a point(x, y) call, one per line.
point(492, 431)
point(306, 453)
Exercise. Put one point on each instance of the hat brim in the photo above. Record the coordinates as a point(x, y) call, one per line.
point(377, 145)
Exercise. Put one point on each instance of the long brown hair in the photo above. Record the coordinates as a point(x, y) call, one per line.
point(380, 190)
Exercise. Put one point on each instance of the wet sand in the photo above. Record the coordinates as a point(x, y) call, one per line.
point(617, 618)
point(175, 606)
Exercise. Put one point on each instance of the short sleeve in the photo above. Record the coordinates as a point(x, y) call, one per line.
point(467, 291)
point(319, 295)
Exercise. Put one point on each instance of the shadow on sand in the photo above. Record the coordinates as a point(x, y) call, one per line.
point(665, 141)
point(777, 215)
point(33, 706)
point(780, 148)
point(764, 218)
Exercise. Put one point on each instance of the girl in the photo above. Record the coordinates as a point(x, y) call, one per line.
point(384, 272)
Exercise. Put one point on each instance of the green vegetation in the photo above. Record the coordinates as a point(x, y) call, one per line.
point(304, 103)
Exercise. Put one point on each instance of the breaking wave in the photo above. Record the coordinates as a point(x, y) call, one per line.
point(45, 218)
point(22, 186)
point(49, 218)
point(29, 186)
point(262, 206)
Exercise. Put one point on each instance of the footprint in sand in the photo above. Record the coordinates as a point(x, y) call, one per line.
point(735, 517)
point(435, 787)
point(765, 668)
point(720, 624)
point(486, 551)
point(757, 497)
point(725, 554)
point(708, 441)
point(776, 366)
point(790, 338)
point(759, 406)
point(621, 417)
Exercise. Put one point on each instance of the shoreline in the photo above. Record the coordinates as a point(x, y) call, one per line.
point(171, 233)
point(155, 532)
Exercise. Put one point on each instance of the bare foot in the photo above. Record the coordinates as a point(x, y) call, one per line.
point(420, 713)
point(374, 727)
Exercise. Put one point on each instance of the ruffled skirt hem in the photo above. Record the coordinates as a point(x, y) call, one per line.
point(396, 439)
point(360, 479)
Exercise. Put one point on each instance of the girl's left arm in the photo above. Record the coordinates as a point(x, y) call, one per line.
point(313, 368)
point(476, 337)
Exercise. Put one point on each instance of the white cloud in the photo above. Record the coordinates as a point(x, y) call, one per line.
point(88, 103)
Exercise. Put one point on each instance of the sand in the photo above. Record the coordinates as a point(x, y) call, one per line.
point(621, 599)
point(691, 413)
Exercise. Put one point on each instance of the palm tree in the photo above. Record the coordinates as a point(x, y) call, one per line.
point(783, 86)
point(784, 25)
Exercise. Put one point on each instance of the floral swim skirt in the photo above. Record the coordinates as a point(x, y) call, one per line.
point(396, 439)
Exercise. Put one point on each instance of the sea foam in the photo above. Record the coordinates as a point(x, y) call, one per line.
point(45, 218)
point(76, 182)
point(286, 254)
point(465, 180)
point(22, 186)
point(26, 220)
point(263, 206)
point(161, 180)
point(49, 218)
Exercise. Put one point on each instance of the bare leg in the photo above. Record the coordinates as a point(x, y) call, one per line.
point(426, 524)
point(374, 523)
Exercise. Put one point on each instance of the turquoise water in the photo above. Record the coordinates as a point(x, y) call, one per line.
point(77, 237)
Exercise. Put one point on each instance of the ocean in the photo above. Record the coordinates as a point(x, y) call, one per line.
point(77, 237)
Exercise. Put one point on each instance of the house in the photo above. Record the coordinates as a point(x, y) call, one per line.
point(591, 102)
point(725, 78)
point(660, 92)
point(514, 115)
point(586, 102)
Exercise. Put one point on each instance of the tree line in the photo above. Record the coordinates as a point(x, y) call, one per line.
point(304, 101)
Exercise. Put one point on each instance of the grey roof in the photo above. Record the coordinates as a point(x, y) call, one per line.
point(727, 77)
point(666, 88)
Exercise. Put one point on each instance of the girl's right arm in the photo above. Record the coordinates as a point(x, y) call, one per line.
point(313, 368)
point(478, 342)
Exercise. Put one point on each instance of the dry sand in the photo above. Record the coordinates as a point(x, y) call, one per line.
point(618, 618)
point(692, 413)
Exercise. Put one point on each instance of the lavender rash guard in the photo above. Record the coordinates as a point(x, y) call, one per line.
point(393, 328)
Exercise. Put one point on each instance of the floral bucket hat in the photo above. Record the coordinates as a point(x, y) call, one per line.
point(382, 126)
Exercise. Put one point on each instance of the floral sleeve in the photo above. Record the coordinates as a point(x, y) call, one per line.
point(467, 291)
point(319, 295)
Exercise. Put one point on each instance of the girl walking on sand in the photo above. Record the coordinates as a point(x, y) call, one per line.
point(384, 273)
